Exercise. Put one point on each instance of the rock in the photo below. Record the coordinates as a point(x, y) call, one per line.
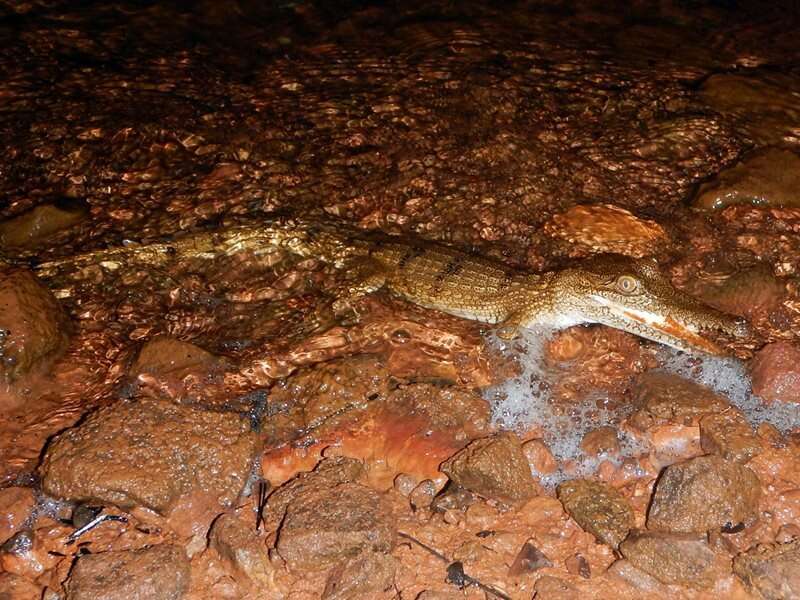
point(16, 505)
point(775, 372)
point(755, 293)
point(151, 453)
point(768, 178)
point(578, 565)
point(663, 398)
point(554, 588)
point(704, 493)
point(764, 104)
point(539, 457)
point(597, 508)
point(528, 560)
point(360, 576)
point(325, 524)
point(32, 324)
point(239, 544)
point(25, 555)
point(771, 571)
point(163, 354)
point(157, 573)
point(730, 436)
point(493, 467)
point(14, 587)
point(602, 228)
point(638, 579)
point(682, 559)
point(602, 440)
point(35, 227)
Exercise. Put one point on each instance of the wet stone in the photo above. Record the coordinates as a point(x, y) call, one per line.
point(602, 440)
point(493, 467)
point(14, 587)
point(151, 453)
point(32, 324)
point(16, 504)
point(360, 576)
point(682, 559)
point(35, 227)
point(237, 543)
point(769, 178)
point(597, 508)
point(554, 588)
point(771, 571)
point(663, 398)
point(730, 436)
point(702, 494)
point(755, 293)
point(640, 580)
point(528, 560)
point(155, 573)
point(324, 525)
point(775, 372)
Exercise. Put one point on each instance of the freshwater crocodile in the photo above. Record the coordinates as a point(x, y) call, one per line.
point(613, 290)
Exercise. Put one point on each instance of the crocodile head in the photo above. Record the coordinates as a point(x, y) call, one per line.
point(632, 295)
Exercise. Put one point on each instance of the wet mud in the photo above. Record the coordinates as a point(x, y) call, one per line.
point(184, 419)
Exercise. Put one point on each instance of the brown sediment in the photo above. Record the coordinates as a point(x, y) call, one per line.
point(160, 393)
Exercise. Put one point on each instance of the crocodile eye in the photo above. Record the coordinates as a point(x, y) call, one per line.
point(627, 284)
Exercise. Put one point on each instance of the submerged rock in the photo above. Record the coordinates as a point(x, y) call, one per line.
point(155, 573)
point(666, 399)
point(597, 508)
point(151, 453)
point(493, 467)
point(35, 227)
point(32, 324)
point(772, 571)
point(598, 228)
point(775, 372)
point(770, 178)
point(702, 494)
point(675, 558)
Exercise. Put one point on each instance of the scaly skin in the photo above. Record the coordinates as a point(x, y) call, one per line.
point(617, 291)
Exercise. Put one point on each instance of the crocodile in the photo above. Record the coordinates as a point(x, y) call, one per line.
point(614, 290)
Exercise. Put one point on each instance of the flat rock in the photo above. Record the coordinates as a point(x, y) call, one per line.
point(597, 508)
point(155, 573)
point(702, 494)
point(769, 178)
point(324, 525)
point(771, 571)
point(33, 327)
point(667, 399)
point(682, 559)
point(493, 467)
point(151, 453)
point(14, 587)
point(360, 577)
point(775, 372)
point(730, 436)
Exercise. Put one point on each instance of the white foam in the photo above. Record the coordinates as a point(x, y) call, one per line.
point(524, 402)
point(728, 376)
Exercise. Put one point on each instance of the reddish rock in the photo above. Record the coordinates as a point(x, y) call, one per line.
point(238, 544)
point(14, 587)
point(32, 324)
point(539, 457)
point(730, 436)
point(666, 399)
point(493, 467)
point(597, 508)
point(682, 559)
point(602, 440)
point(702, 494)
point(554, 588)
point(155, 573)
point(644, 582)
point(360, 577)
point(16, 504)
point(151, 453)
point(775, 372)
point(771, 571)
point(324, 525)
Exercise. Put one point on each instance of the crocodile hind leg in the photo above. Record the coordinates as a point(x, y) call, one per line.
point(363, 276)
